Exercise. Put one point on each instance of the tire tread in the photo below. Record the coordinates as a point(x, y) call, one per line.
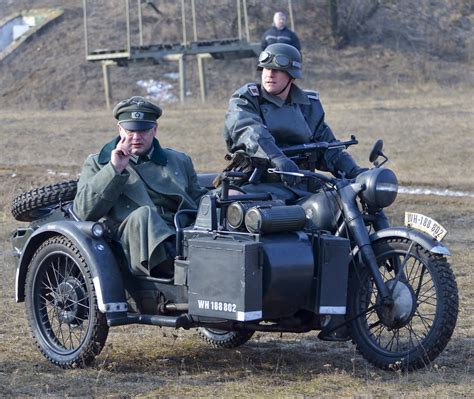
point(23, 205)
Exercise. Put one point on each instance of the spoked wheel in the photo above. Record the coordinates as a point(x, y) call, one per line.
point(61, 305)
point(224, 339)
point(412, 333)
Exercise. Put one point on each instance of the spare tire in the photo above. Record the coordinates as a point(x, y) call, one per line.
point(37, 203)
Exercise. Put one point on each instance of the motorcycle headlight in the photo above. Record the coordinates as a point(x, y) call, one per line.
point(275, 219)
point(381, 187)
point(237, 210)
point(97, 230)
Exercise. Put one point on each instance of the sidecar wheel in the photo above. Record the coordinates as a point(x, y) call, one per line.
point(61, 305)
point(224, 339)
point(34, 204)
point(426, 307)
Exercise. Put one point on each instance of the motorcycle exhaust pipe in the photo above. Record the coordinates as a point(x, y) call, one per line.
point(182, 321)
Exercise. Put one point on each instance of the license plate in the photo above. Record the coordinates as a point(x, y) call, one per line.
point(425, 224)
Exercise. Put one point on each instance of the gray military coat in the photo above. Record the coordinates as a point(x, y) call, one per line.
point(255, 116)
point(139, 202)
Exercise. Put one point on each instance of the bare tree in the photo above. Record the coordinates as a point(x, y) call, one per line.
point(347, 19)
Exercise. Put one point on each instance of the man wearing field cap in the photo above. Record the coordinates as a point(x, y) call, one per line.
point(137, 187)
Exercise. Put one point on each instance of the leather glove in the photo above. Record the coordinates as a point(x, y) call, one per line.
point(285, 164)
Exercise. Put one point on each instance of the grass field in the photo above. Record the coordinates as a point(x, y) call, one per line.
point(429, 139)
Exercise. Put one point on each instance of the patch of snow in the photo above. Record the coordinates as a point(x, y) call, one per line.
point(158, 90)
point(172, 75)
point(433, 191)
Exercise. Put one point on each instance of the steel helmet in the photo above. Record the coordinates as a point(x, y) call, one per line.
point(283, 57)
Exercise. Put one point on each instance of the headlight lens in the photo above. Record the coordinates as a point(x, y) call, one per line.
point(237, 210)
point(381, 187)
point(97, 230)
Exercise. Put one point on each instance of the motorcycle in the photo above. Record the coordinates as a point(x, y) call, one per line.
point(327, 262)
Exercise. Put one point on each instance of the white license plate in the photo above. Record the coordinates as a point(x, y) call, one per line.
point(425, 224)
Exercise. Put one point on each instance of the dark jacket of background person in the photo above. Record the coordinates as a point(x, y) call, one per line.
point(285, 35)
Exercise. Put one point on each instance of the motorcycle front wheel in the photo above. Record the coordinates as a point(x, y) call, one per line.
point(418, 327)
point(61, 305)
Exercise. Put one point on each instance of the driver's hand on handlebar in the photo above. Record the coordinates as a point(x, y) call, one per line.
point(285, 164)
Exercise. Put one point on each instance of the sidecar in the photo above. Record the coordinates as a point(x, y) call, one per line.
point(235, 273)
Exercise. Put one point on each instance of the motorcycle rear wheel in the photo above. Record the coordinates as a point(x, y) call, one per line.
point(431, 293)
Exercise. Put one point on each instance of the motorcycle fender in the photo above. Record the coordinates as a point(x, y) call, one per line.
point(105, 271)
point(417, 236)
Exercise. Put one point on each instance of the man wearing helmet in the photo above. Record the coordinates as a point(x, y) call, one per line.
point(263, 118)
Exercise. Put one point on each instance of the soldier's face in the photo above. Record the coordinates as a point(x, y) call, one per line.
point(274, 81)
point(140, 140)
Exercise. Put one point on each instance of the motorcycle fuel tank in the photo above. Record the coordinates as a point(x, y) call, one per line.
point(322, 210)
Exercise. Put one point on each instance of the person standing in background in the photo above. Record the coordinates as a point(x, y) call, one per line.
point(279, 33)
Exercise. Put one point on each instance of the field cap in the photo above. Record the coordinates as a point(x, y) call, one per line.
point(136, 113)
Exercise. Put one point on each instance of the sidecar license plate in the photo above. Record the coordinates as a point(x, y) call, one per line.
point(425, 224)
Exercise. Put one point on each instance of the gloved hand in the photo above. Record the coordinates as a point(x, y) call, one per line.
point(285, 164)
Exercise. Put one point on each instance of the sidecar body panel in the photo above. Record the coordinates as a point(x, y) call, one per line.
point(225, 278)
point(97, 253)
point(329, 287)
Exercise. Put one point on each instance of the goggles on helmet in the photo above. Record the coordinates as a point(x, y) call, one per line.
point(280, 60)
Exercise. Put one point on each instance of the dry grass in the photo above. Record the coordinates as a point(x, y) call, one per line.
point(429, 139)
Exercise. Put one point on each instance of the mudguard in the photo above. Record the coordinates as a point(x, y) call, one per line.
point(417, 236)
point(105, 271)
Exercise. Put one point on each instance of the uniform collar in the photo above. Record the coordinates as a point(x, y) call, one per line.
point(296, 95)
point(157, 156)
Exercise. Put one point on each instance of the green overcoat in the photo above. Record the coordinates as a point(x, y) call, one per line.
point(140, 202)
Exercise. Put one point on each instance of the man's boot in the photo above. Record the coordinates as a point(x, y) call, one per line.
point(166, 268)
point(331, 333)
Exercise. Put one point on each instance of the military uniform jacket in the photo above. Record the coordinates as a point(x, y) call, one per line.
point(255, 116)
point(104, 192)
